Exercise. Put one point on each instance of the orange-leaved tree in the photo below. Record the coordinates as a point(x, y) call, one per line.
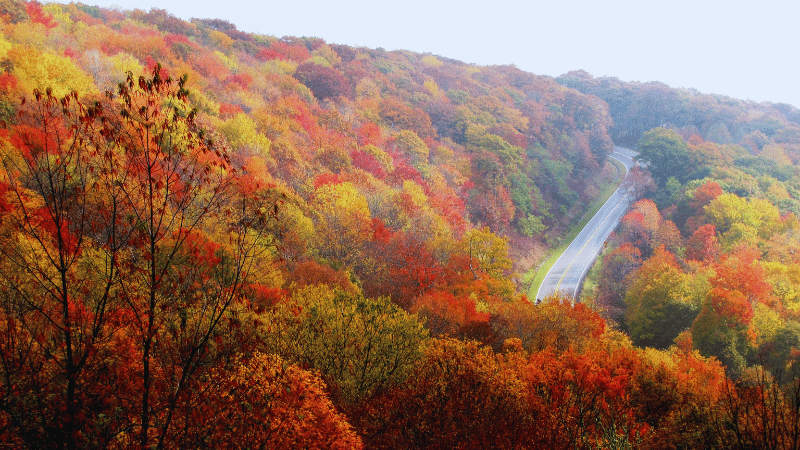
point(267, 403)
point(183, 290)
point(461, 395)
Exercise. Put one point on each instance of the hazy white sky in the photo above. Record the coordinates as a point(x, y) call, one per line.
point(746, 50)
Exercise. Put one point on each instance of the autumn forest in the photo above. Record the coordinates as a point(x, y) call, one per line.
point(217, 239)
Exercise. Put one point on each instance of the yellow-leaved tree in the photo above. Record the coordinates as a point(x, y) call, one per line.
point(363, 347)
point(659, 302)
point(342, 221)
point(41, 70)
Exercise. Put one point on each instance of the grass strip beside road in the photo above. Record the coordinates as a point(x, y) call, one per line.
point(537, 277)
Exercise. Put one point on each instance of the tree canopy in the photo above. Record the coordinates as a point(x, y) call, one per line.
point(665, 154)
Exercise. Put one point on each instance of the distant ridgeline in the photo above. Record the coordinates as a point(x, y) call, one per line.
point(638, 107)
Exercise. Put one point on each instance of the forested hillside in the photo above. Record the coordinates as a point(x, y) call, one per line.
point(215, 239)
point(713, 260)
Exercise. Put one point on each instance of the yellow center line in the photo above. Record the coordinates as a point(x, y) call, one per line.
point(563, 274)
point(558, 285)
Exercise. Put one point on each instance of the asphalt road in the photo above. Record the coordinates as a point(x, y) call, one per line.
point(567, 274)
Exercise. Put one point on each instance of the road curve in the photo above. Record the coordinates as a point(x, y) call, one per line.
point(566, 275)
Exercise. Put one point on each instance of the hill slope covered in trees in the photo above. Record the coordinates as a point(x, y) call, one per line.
point(217, 239)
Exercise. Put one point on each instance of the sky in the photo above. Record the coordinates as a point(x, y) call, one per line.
point(742, 49)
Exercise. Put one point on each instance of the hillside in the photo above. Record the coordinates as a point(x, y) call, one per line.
point(211, 238)
point(717, 230)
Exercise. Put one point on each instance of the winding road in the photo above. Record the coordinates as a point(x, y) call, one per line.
point(566, 275)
